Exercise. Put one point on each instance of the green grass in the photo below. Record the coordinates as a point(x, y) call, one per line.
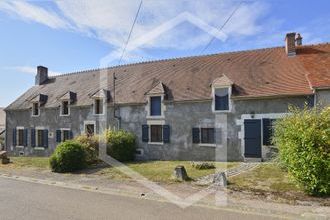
point(34, 162)
point(265, 177)
point(161, 171)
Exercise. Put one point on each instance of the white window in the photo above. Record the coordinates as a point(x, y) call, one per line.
point(35, 109)
point(65, 108)
point(98, 106)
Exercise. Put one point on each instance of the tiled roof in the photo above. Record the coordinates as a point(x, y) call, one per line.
point(255, 73)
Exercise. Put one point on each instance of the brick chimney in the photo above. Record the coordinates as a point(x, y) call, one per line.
point(42, 75)
point(290, 44)
point(299, 40)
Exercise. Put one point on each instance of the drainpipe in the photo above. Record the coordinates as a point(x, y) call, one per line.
point(118, 118)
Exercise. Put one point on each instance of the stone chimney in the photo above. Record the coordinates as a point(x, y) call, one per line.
point(299, 40)
point(290, 44)
point(42, 75)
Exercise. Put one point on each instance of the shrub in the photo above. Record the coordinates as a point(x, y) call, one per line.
point(120, 145)
point(90, 145)
point(68, 156)
point(303, 139)
point(202, 165)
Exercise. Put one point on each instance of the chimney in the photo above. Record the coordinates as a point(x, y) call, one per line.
point(290, 44)
point(42, 75)
point(299, 40)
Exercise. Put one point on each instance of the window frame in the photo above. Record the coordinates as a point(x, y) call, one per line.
point(37, 144)
point(161, 134)
point(208, 135)
point(94, 106)
point(229, 88)
point(34, 107)
point(162, 107)
point(89, 123)
point(62, 108)
point(63, 130)
point(150, 110)
point(18, 138)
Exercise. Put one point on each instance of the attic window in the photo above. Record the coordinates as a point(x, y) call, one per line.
point(98, 106)
point(35, 109)
point(155, 106)
point(221, 99)
point(65, 109)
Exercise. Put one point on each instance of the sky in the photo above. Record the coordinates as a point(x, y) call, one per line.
point(75, 35)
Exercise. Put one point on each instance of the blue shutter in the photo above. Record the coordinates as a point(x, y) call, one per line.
point(25, 137)
point(45, 138)
point(71, 134)
point(14, 137)
point(195, 135)
point(155, 105)
point(166, 133)
point(145, 133)
point(58, 136)
point(33, 137)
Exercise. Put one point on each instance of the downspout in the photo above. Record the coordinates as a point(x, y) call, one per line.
point(118, 118)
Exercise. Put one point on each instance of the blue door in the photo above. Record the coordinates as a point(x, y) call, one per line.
point(252, 138)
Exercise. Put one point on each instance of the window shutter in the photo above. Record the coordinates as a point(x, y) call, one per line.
point(145, 133)
point(14, 137)
point(45, 138)
point(166, 133)
point(58, 136)
point(195, 135)
point(155, 105)
point(71, 134)
point(33, 137)
point(25, 137)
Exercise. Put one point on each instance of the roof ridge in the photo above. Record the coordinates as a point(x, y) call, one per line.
point(177, 59)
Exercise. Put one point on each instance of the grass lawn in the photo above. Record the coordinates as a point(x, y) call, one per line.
point(265, 177)
point(161, 171)
point(34, 162)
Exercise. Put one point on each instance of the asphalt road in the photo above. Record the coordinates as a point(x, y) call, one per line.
point(23, 200)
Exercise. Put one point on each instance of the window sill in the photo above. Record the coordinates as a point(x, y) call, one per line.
point(35, 116)
point(156, 143)
point(207, 145)
point(19, 147)
point(221, 111)
point(39, 148)
point(64, 115)
point(155, 117)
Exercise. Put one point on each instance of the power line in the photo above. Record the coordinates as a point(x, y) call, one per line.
point(130, 33)
point(224, 24)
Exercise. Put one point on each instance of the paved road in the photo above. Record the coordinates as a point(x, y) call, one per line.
point(23, 200)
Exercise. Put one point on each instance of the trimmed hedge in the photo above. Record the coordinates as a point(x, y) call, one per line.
point(90, 145)
point(121, 145)
point(68, 156)
point(303, 139)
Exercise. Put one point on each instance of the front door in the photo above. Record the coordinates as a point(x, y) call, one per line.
point(252, 138)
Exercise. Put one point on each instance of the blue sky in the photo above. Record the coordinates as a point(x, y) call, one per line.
point(68, 36)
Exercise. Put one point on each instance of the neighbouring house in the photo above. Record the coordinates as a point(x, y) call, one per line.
point(214, 107)
point(2, 127)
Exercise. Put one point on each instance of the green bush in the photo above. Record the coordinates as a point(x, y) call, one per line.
point(303, 139)
point(120, 145)
point(68, 156)
point(90, 145)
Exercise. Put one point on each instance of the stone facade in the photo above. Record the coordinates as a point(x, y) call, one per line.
point(180, 116)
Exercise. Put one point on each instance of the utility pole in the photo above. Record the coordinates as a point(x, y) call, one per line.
point(114, 101)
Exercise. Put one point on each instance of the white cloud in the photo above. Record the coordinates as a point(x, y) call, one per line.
point(111, 20)
point(30, 12)
point(31, 70)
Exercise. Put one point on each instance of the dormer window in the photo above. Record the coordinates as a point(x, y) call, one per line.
point(65, 108)
point(156, 106)
point(98, 106)
point(221, 99)
point(221, 92)
point(35, 109)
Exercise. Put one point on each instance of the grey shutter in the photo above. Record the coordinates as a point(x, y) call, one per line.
point(45, 138)
point(14, 137)
point(33, 137)
point(166, 133)
point(145, 133)
point(195, 135)
point(58, 136)
point(25, 137)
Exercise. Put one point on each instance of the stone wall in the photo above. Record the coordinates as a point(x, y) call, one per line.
point(181, 117)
